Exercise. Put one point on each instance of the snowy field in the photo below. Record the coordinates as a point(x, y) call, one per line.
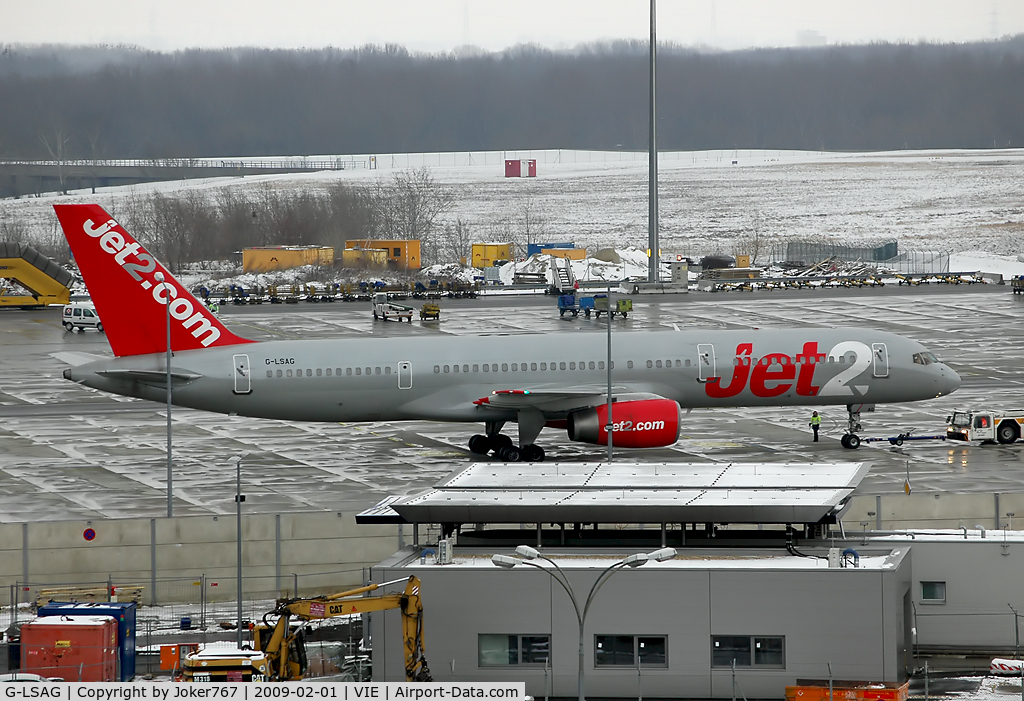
point(959, 201)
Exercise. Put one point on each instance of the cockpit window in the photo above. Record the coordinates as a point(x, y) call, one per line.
point(925, 358)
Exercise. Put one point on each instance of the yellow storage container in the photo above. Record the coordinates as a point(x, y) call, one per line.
point(266, 258)
point(485, 254)
point(570, 253)
point(364, 258)
point(401, 253)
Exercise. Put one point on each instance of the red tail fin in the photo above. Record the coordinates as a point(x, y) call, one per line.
point(122, 280)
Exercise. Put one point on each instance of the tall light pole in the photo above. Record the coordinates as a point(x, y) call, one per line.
point(653, 258)
point(526, 553)
point(159, 277)
point(239, 498)
point(610, 422)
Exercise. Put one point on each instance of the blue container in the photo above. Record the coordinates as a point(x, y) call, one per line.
point(532, 248)
point(186, 623)
point(123, 613)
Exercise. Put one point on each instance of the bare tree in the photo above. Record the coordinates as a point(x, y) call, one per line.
point(409, 205)
point(57, 146)
point(757, 242)
point(455, 240)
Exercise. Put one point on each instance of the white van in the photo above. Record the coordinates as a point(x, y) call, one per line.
point(82, 316)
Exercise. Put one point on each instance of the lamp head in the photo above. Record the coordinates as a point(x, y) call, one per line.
point(635, 560)
point(527, 553)
point(504, 561)
point(159, 276)
point(662, 555)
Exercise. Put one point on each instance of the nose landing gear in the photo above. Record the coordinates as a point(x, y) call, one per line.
point(850, 439)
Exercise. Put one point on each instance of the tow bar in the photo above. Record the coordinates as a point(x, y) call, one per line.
point(899, 439)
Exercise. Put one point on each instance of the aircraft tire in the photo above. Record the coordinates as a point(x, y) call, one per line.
point(845, 440)
point(502, 441)
point(533, 453)
point(852, 441)
point(479, 444)
point(510, 453)
point(1006, 433)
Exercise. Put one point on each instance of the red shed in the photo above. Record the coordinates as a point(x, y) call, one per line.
point(526, 168)
point(74, 648)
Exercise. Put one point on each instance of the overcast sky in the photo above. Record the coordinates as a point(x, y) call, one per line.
point(442, 25)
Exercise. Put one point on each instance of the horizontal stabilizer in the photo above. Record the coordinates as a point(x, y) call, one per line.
point(76, 358)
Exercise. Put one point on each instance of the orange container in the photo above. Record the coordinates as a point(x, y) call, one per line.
point(817, 690)
point(73, 648)
point(171, 655)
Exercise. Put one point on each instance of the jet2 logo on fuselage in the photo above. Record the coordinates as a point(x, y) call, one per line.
point(772, 375)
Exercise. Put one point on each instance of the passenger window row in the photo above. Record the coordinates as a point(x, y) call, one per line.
point(521, 367)
point(786, 360)
point(386, 370)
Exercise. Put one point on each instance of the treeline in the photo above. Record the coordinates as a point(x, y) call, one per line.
point(193, 226)
point(125, 103)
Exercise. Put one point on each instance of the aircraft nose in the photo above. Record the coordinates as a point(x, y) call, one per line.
point(948, 381)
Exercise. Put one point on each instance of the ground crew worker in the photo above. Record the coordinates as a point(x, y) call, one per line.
point(815, 423)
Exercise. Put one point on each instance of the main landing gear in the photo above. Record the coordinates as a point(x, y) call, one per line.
point(503, 447)
point(850, 439)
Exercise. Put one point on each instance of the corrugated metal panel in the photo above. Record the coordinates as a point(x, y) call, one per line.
point(635, 492)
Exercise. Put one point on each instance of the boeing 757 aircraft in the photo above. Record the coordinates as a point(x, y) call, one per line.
point(555, 380)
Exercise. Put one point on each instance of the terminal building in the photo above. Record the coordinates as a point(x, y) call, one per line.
point(764, 589)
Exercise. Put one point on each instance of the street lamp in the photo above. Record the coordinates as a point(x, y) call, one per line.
point(526, 554)
point(159, 277)
point(239, 498)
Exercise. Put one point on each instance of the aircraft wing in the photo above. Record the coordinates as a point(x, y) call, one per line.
point(555, 400)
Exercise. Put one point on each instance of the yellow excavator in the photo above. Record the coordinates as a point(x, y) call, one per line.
point(279, 652)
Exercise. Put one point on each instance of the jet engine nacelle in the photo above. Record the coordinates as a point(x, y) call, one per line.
point(644, 423)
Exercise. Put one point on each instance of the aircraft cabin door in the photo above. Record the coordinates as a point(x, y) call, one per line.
point(880, 356)
point(705, 362)
point(405, 375)
point(243, 382)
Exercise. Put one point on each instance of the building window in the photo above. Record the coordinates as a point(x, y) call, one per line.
point(933, 592)
point(503, 650)
point(748, 650)
point(627, 650)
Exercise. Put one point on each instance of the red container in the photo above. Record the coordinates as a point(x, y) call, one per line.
point(74, 648)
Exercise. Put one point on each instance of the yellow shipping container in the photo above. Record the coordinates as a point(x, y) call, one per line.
point(570, 253)
point(402, 253)
point(485, 254)
point(266, 258)
point(364, 258)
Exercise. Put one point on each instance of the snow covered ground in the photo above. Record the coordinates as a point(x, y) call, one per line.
point(966, 202)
